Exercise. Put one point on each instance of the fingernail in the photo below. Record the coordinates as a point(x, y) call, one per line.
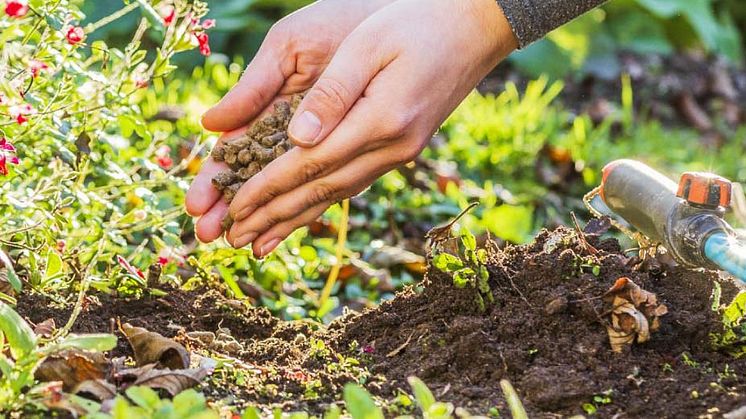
point(305, 128)
point(268, 247)
point(244, 240)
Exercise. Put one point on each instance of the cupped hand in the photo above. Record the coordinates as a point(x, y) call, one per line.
point(389, 86)
point(293, 55)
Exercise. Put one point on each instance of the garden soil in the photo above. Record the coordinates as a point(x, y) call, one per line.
point(545, 333)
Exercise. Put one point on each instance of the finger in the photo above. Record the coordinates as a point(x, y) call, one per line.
point(258, 86)
point(209, 227)
point(345, 182)
point(202, 195)
point(355, 63)
point(370, 124)
point(269, 241)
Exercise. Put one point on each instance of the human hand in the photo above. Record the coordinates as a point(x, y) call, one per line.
point(390, 85)
point(290, 60)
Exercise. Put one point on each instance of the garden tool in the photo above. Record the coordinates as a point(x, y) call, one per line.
point(687, 219)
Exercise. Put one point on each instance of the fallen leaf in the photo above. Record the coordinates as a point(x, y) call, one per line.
point(619, 284)
point(72, 367)
point(53, 398)
point(99, 389)
point(153, 348)
point(45, 328)
point(172, 381)
point(634, 315)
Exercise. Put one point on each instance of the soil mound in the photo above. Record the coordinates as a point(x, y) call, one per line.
point(545, 332)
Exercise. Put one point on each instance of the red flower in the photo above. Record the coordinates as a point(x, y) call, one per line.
point(19, 113)
point(16, 8)
point(168, 13)
point(75, 35)
point(6, 148)
point(141, 82)
point(5, 145)
point(61, 244)
point(163, 158)
point(162, 261)
point(37, 67)
point(204, 43)
point(165, 162)
point(208, 24)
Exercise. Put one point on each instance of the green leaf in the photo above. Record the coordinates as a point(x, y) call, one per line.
point(422, 394)
point(251, 413)
point(18, 333)
point(98, 342)
point(440, 410)
point(15, 282)
point(189, 403)
point(514, 402)
point(54, 265)
point(334, 412)
point(360, 404)
point(468, 239)
point(447, 262)
point(735, 310)
point(463, 277)
point(144, 397)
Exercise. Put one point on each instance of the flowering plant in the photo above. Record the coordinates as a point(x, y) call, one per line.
point(88, 169)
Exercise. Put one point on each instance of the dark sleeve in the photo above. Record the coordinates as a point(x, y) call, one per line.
point(532, 19)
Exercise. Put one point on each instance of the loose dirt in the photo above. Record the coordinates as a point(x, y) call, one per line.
point(557, 362)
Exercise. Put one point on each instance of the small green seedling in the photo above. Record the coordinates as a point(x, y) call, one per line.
point(469, 268)
point(598, 401)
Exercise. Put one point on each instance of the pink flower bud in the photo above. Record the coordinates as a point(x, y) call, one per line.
point(75, 35)
point(16, 8)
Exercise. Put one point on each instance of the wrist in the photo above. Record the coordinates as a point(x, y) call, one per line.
point(494, 25)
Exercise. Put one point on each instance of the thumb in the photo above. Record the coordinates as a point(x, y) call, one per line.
point(257, 87)
point(333, 94)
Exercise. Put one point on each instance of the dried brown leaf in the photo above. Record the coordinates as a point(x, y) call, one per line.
point(634, 314)
point(153, 348)
point(72, 367)
point(172, 381)
point(45, 328)
point(99, 389)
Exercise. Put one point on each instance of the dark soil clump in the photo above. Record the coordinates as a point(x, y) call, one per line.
point(557, 361)
point(545, 332)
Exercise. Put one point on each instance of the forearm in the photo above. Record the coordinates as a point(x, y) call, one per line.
point(532, 19)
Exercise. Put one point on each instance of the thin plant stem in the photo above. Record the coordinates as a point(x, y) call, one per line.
point(111, 18)
point(85, 284)
point(341, 242)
